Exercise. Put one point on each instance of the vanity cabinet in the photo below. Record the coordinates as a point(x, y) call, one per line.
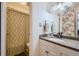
point(51, 49)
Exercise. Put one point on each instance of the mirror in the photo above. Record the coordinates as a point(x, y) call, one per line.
point(70, 22)
point(68, 18)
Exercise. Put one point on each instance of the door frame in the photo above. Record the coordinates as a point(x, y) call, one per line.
point(3, 29)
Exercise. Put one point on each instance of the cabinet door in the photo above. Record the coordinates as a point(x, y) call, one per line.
point(67, 52)
point(53, 50)
point(43, 48)
point(47, 49)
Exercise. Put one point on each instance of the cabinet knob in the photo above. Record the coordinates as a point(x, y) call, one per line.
point(46, 51)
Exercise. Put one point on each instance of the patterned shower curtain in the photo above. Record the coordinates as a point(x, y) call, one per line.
point(15, 42)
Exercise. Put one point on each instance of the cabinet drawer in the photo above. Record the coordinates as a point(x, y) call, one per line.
point(67, 52)
point(47, 46)
point(46, 52)
point(42, 52)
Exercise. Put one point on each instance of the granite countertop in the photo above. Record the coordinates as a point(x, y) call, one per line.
point(72, 44)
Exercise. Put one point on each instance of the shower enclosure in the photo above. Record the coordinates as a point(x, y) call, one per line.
point(17, 32)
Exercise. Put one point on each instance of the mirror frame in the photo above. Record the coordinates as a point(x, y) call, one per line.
point(77, 13)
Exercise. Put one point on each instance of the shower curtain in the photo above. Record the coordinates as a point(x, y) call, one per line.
point(15, 35)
